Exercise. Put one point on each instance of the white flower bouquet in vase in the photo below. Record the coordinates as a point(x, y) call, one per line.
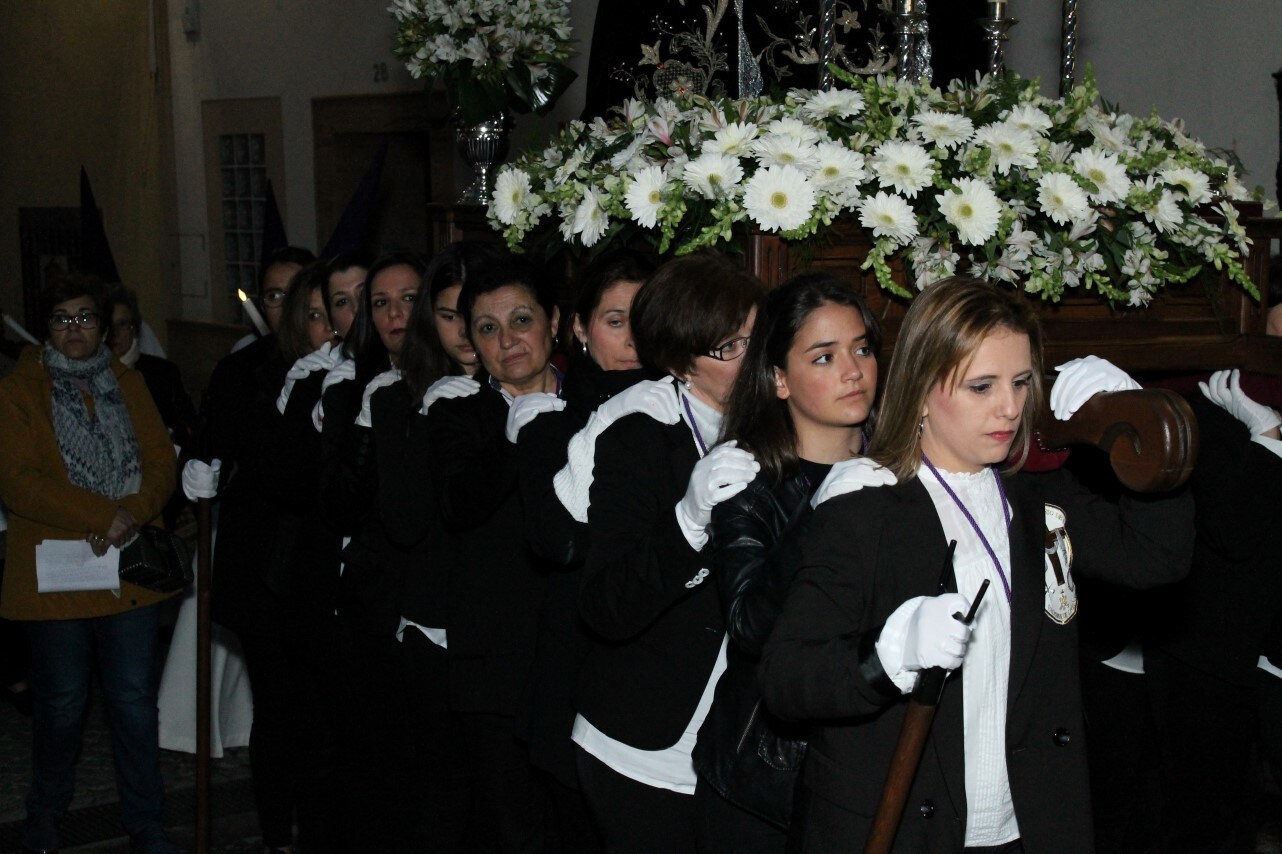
point(494, 58)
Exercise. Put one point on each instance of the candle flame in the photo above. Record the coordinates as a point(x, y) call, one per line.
point(241, 295)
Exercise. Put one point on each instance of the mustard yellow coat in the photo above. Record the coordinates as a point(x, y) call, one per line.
point(43, 504)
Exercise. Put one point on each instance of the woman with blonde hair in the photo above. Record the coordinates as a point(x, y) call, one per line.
point(1004, 767)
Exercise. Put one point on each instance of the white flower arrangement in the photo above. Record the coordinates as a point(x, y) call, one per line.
point(492, 54)
point(1050, 194)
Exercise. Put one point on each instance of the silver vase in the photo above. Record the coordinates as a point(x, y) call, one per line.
point(482, 146)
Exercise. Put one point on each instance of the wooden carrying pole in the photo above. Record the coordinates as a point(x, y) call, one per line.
point(204, 642)
point(1150, 436)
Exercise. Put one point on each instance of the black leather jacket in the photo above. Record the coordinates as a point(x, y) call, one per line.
point(751, 757)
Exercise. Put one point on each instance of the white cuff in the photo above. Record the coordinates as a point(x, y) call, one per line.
point(1272, 444)
point(890, 645)
point(573, 482)
point(696, 535)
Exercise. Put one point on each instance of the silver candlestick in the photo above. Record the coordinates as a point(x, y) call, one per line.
point(996, 26)
point(1068, 48)
point(908, 18)
point(827, 41)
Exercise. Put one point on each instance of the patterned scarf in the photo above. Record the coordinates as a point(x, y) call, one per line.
point(99, 450)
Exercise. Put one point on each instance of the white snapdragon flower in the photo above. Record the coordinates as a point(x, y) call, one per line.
point(945, 130)
point(713, 175)
point(888, 215)
point(1060, 198)
point(973, 209)
point(904, 166)
point(779, 198)
point(644, 196)
point(1102, 169)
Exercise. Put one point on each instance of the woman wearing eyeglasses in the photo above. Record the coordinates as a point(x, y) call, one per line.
point(85, 457)
point(647, 683)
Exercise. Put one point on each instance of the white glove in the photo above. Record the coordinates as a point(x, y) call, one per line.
point(1081, 379)
point(527, 407)
point(934, 638)
point(382, 380)
point(851, 476)
point(723, 473)
point(341, 372)
point(1224, 389)
point(200, 480)
point(448, 388)
point(319, 360)
point(655, 398)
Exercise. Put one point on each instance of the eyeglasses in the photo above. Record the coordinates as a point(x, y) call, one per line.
point(273, 297)
point(731, 350)
point(85, 320)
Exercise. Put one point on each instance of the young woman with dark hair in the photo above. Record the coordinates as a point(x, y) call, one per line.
point(1005, 761)
point(646, 479)
point(802, 405)
point(342, 288)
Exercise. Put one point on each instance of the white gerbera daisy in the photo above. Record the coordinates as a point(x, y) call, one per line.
point(590, 220)
point(973, 209)
point(510, 193)
point(888, 215)
point(785, 150)
point(1009, 145)
point(836, 164)
point(1196, 187)
point(795, 128)
point(835, 103)
point(713, 174)
point(733, 139)
point(1029, 118)
point(779, 198)
point(945, 130)
point(1102, 169)
point(1165, 213)
point(1060, 198)
point(644, 196)
point(905, 166)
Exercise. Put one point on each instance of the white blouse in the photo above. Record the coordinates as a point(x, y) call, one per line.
point(990, 813)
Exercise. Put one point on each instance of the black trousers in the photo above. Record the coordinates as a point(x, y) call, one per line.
point(635, 818)
point(293, 743)
point(510, 803)
point(725, 828)
point(440, 792)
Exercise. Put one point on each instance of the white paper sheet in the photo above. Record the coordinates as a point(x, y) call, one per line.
point(63, 565)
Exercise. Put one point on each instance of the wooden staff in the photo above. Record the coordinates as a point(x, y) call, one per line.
point(204, 643)
point(918, 718)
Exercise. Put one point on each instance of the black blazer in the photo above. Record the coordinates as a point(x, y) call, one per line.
point(868, 552)
point(495, 583)
point(658, 626)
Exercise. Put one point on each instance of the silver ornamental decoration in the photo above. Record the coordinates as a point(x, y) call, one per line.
point(1068, 48)
point(995, 27)
point(483, 147)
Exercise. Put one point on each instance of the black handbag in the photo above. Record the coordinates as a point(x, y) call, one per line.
point(156, 560)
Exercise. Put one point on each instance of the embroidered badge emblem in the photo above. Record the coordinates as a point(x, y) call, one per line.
point(1061, 591)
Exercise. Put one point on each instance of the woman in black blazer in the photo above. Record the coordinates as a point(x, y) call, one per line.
point(494, 583)
point(647, 682)
point(1004, 767)
point(802, 406)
